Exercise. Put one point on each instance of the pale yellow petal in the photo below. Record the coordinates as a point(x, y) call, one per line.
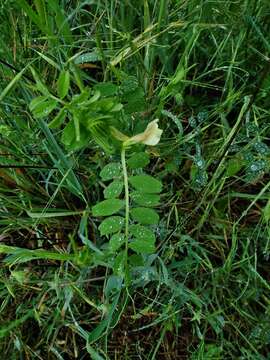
point(150, 136)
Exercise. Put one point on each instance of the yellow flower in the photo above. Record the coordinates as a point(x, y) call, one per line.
point(150, 136)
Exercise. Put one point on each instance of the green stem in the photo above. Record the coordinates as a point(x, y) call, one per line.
point(124, 167)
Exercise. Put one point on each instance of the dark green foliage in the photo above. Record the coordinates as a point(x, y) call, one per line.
point(192, 282)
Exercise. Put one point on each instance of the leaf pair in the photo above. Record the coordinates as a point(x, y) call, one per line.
point(144, 196)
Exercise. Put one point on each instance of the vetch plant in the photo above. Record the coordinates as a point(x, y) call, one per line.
point(131, 229)
point(89, 114)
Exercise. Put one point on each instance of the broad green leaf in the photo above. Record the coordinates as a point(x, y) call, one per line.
point(141, 232)
point(116, 241)
point(80, 99)
point(63, 83)
point(144, 215)
point(110, 171)
point(145, 199)
point(69, 137)
point(94, 98)
point(111, 225)
point(233, 166)
point(116, 107)
point(129, 84)
point(142, 247)
point(58, 120)
point(107, 207)
point(114, 189)
point(68, 134)
point(119, 263)
point(145, 239)
point(107, 88)
point(104, 105)
point(146, 183)
point(134, 101)
point(35, 103)
point(42, 107)
point(136, 260)
point(138, 160)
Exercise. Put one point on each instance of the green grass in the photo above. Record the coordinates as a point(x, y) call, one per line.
point(202, 68)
